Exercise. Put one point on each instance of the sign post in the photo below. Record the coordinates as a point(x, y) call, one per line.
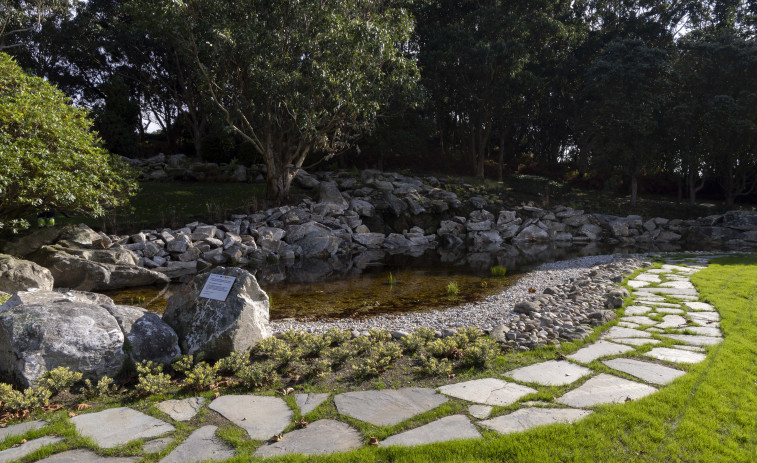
point(217, 287)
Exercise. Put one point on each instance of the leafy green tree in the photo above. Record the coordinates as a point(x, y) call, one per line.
point(18, 17)
point(624, 97)
point(294, 78)
point(49, 159)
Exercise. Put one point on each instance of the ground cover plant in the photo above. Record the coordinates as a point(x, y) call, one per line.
point(710, 414)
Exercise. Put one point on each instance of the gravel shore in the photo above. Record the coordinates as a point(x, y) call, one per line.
point(492, 311)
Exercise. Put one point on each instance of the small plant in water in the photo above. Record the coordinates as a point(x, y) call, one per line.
point(391, 279)
point(452, 289)
point(498, 271)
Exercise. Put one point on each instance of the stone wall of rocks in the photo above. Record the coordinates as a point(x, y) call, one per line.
point(181, 167)
point(396, 213)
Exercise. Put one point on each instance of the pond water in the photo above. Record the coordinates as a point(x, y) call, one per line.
point(375, 282)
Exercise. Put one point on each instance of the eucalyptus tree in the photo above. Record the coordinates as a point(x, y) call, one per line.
point(295, 78)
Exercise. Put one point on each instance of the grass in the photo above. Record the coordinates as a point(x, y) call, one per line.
point(498, 271)
point(173, 204)
point(452, 289)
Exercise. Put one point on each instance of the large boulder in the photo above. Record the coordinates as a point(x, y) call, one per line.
point(328, 193)
point(148, 337)
point(217, 328)
point(95, 269)
point(19, 274)
point(740, 220)
point(30, 242)
point(532, 233)
point(56, 331)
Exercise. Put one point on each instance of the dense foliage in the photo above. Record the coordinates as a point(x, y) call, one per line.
point(49, 159)
point(620, 93)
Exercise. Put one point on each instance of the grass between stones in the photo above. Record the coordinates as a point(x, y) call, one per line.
point(709, 414)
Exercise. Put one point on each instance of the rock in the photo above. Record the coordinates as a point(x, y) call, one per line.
point(20, 429)
point(95, 269)
point(201, 445)
point(532, 233)
point(506, 217)
point(328, 193)
point(261, 417)
point(601, 317)
point(148, 337)
point(526, 307)
point(597, 350)
point(441, 430)
point(131, 425)
point(591, 231)
point(387, 407)
point(675, 355)
point(477, 203)
point(19, 275)
point(649, 372)
point(305, 180)
point(484, 239)
point(318, 438)
point(741, 220)
point(218, 328)
point(309, 402)
point(29, 243)
point(369, 240)
point(157, 445)
point(603, 389)
point(19, 451)
point(549, 373)
point(85, 456)
point(499, 333)
point(394, 204)
point(488, 391)
point(363, 208)
point(527, 418)
point(181, 410)
point(40, 337)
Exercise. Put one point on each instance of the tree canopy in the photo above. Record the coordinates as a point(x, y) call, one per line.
point(49, 158)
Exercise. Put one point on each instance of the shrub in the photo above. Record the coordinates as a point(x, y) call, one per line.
point(313, 345)
point(201, 377)
point(498, 271)
point(452, 289)
point(481, 354)
point(316, 368)
point(234, 363)
point(339, 355)
point(444, 348)
point(153, 383)
point(430, 366)
point(103, 388)
point(59, 379)
point(257, 375)
point(148, 367)
point(337, 337)
point(379, 335)
point(183, 364)
point(49, 158)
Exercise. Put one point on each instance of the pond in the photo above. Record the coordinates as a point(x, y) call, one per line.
point(376, 282)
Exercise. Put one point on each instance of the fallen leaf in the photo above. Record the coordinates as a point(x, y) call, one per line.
point(83, 406)
point(373, 440)
point(276, 438)
point(217, 394)
point(71, 414)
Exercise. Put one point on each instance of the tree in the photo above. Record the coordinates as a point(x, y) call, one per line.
point(22, 16)
point(293, 78)
point(621, 119)
point(49, 159)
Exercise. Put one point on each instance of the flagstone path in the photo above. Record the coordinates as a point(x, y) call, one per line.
point(687, 328)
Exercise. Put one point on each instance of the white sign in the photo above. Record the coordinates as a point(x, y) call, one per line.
point(217, 287)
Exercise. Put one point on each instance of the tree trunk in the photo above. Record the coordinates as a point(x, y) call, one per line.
point(634, 190)
point(501, 160)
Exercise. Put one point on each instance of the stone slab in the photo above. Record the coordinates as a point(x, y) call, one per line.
point(550, 373)
point(662, 304)
point(480, 411)
point(703, 317)
point(261, 417)
point(675, 292)
point(675, 355)
point(309, 402)
point(85, 456)
point(639, 320)
point(691, 348)
point(638, 283)
point(157, 445)
point(637, 341)
point(700, 306)
point(637, 310)
point(649, 372)
point(668, 310)
point(603, 389)
point(20, 428)
point(695, 340)
point(673, 321)
point(648, 277)
point(131, 425)
point(628, 325)
point(679, 284)
point(201, 445)
point(15, 453)
point(318, 438)
point(620, 332)
point(527, 418)
point(704, 330)
point(441, 430)
point(597, 350)
point(181, 410)
point(387, 407)
point(648, 298)
point(489, 391)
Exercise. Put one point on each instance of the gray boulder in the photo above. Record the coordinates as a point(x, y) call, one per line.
point(328, 193)
point(27, 244)
point(740, 220)
point(148, 337)
point(532, 233)
point(218, 328)
point(319, 246)
point(35, 338)
point(369, 240)
point(19, 274)
point(35, 296)
point(95, 269)
point(526, 307)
